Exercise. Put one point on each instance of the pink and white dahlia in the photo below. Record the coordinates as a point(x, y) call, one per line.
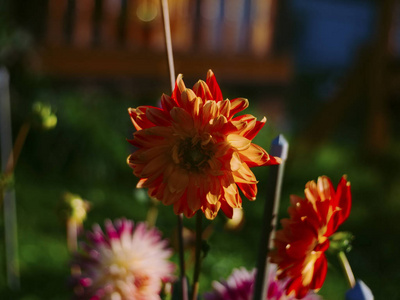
point(240, 285)
point(126, 262)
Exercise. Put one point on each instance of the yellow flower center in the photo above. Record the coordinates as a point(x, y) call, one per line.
point(194, 153)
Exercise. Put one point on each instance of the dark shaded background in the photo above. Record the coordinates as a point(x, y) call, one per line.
point(328, 81)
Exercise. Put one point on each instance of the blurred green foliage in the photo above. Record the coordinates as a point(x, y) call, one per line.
point(43, 117)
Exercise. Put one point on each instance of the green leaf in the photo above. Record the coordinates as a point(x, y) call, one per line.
point(340, 241)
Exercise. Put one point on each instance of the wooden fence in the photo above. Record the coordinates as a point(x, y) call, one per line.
point(125, 38)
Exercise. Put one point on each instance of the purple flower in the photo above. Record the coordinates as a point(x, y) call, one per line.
point(240, 284)
point(126, 262)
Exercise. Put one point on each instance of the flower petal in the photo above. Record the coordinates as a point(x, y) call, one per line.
point(325, 188)
point(227, 209)
point(299, 249)
point(320, 269)
point(167, 102)
point(251, 133)
point(224, 107)
point(343, 195)
point(182, 118)
point(179, 88)
point(157, 116)
point(211, 210)
point(188, 98)
point(210, 111)
point(236, 162)
point(238, 142)
point(201, 90)
point(248, 190)
point(178, 180)
point(237, 105)
point(213, 86)
point(244, 175)
point(154, 166)
point(254, 156)
point(138, 117)
point(144, 140)
point(193, 197)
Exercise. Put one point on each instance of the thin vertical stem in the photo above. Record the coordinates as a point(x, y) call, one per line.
point(181, 250)
point(197, 266)
point(168, 41)
point(152, 213)
point(72, 242)
point(72, 235)
point(347, 269)
point(19, 143)
point(14, 154)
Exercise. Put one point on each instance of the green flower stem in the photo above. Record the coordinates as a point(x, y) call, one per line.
point(152, 213)
point(347, 269)
point(14, 155)
point(72, 235)
point(197, 265)
point(19, 143)
point(72, 242)
point(183, 280)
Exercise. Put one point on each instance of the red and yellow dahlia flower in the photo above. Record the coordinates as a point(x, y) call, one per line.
point(193, 153)
point(301, 244)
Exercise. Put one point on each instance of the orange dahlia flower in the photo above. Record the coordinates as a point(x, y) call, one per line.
point(193, 153)
point(300, 246)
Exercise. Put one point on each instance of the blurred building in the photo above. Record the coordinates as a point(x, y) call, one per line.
point(108, 38)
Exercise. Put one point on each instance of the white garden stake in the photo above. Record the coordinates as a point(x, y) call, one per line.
point(8, 194)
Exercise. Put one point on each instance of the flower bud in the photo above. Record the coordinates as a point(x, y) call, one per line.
point(43, 116)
